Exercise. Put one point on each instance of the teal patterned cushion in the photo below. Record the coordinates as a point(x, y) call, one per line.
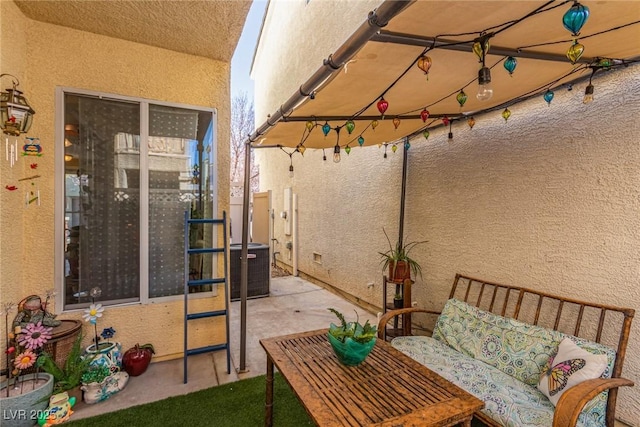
point(507, 401)
point(516, 348)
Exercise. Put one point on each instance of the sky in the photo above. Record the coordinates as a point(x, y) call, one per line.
point(243, 55)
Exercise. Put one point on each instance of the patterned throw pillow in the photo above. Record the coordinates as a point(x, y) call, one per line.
point(570, 366)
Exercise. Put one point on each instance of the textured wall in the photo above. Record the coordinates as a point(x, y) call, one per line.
point(12, 61)
point(548, 200)
point(58, 56)
point(284, 60)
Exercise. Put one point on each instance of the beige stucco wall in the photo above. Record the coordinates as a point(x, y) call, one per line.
point(59, 56)
point(548, 200)
point(12, 61)
point(284, 60)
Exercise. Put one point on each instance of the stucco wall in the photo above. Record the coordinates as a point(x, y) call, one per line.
point(284, 60)
point(59, 56)
point(12, 61)
point(548, 200)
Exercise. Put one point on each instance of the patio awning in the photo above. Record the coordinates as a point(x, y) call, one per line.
point(385, 66)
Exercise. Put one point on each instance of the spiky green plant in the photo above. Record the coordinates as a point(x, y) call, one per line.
point(400, 253)
point(70, 374)
point(354, 330)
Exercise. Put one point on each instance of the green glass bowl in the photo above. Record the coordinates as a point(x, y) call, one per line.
point(350, 352)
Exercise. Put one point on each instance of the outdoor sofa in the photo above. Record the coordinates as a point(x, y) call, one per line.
point(500, 342)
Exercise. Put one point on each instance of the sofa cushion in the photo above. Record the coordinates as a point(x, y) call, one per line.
point(507, 401)
point(516, 348)
point(570, 366)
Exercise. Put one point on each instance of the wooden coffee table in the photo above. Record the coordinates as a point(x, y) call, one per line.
point(387, 389)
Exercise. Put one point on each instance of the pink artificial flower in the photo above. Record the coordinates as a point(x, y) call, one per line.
point(34, 336)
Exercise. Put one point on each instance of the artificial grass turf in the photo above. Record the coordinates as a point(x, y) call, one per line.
point(237, 404)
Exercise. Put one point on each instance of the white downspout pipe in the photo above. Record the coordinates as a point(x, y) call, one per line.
point(294, 233)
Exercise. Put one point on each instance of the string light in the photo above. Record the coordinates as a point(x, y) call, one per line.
point(510, 64)
point(426, 134)
point(481, 48)
point(336, 149)
point(450, 136)
point(461, 98)
point(374, 124)
point(588, 91)
point(575, 18)
point(506, 114)
point(424, 63)
point(326, 128)
point(347, 150)
point(548, 96)
point(471, 122)
point(350, 126)
point(396, 122)
point(424, 115)
point(385, 151)
point(360, 141)
point(310, 125)
point(407, 145)
point(382, 106)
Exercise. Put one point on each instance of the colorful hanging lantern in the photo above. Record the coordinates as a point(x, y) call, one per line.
point(382, 105)
point(471, 122)
point(309, 125)
point(510, 64)
point(605, 63)
point(350, 126)
point(302, 149)
point(347, 149)
point(575, 18)
point(426, 134)
point(461, 98)
point(548, 96)
point(506, 114)
point(424, 63)
point(326, 128)
point(477, 49)
point(424, 115)
point(407, 145)
point(396, 123)
point(360, 141)
point(575, 52)
point(445, 120)
point(374, 124)
point(385, 151)
point(394, 148)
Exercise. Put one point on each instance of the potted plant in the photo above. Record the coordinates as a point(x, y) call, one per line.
point(99, 383)
point(351, 341)
point(68, 377)
point(398, 261)
point(24, 394)
point(398, 301)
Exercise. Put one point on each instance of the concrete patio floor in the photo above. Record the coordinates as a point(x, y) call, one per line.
point(294, 305)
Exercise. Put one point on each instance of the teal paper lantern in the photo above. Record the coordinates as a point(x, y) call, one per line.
point(407, 145)
point(548, 96)
point(360, 140)
point(510, 64)
point(575, 18)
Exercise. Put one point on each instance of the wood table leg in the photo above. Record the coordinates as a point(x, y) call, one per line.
point(268, 415)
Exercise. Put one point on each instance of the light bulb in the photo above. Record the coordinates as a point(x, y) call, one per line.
point(290, 171)
point(588, 94)
point(336, 154)
point(485, 90)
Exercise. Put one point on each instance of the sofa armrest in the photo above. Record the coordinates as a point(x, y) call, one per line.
point(573, 400)
point(382, 333)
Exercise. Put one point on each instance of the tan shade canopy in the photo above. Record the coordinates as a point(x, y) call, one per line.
point(446, 30)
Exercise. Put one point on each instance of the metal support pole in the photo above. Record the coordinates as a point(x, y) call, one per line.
point(403, 192)
point(244, 255)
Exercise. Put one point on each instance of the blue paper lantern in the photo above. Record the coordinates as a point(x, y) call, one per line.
point(548, 96)
point(407, 145)
point(575, 18)
point(510, 64)
point(360, 140)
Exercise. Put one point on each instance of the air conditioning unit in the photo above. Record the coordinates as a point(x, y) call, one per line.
point(259, 271)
